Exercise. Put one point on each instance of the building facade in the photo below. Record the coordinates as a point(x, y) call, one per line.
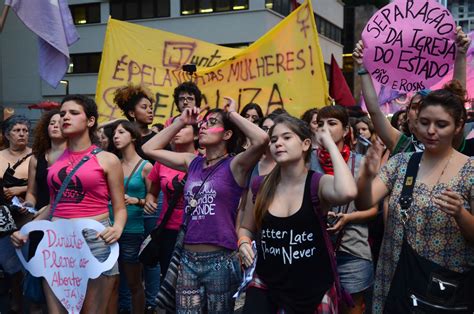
point(463, 12)
point(234, 23)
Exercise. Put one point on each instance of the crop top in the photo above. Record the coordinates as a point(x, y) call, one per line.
point(87, 194)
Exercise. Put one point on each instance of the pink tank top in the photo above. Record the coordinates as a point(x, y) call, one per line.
point(87, 194)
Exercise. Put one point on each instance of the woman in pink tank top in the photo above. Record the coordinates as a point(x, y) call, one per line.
point(101, 179)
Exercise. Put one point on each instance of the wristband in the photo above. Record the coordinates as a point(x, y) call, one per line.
point(244, 239)
point(362, 71)
point(228, 114)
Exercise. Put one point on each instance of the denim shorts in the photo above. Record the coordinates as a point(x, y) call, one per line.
point(99, 248)
point(8, 258)
point(130, 246)
point(356, 274)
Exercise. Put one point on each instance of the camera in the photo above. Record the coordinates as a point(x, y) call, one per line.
point(190, 68)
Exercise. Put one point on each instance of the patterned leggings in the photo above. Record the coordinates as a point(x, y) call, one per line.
point(207, 282)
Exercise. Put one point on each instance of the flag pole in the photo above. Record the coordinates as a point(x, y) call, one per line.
point(3, 17)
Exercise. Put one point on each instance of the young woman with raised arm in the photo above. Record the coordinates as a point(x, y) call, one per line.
point(439, 223)
point(210, 273)
point(293, 270)
point(393, 138)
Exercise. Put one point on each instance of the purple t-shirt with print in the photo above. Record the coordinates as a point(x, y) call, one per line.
point(213, 220)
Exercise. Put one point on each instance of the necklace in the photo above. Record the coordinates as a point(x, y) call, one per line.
point(405, 213)
point(208, 161)
point(444, 169)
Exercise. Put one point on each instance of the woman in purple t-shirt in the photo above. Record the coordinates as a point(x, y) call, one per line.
point(209, 272)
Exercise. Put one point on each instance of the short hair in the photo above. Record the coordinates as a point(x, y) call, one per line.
point(190, 88)
point(9, 123)
point(337, 112)
point(90, 109)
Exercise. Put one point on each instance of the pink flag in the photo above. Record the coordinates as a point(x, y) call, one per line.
point(51, 20)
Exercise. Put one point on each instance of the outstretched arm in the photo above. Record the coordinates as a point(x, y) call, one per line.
point(155, 147)
point(383, 128)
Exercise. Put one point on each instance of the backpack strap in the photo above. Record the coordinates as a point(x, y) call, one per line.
point(406, 197)
point(341, 294)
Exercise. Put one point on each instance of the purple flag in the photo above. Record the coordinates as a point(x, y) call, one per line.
point(51, 20)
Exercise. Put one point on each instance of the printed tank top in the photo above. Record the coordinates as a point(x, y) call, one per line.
point(293, 259)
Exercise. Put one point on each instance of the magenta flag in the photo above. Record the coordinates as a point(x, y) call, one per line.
point(51, 20)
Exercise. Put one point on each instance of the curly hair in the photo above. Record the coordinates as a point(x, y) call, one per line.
point(42, 141)
point(127, 97)
point(190, 88)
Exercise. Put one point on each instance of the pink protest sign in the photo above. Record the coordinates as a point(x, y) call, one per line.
point(409, 45)
point(64, 259)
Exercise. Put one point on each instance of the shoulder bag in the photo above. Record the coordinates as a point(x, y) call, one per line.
point(420, 285)
point(166, 298)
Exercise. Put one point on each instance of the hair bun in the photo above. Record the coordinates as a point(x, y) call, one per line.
point(456, 88)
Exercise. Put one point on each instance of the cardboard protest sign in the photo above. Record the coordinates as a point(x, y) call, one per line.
point(409, 45)
point(64, 259)
point(283, 69)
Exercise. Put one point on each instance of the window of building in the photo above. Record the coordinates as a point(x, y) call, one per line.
point(85, 13)
point(189, 7)
point(281, 6)
point(84, 63)
point(328, 29)
point(139, 9)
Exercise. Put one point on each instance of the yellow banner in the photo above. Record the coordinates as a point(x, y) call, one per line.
point(283, 69)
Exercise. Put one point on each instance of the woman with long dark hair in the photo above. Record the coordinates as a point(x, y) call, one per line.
point(126, 140)
point(101, 180)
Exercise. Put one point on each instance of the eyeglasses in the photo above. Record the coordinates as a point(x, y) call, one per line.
point(210, 122)
point(187, 98)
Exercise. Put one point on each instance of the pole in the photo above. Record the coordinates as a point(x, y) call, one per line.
point(3, 17)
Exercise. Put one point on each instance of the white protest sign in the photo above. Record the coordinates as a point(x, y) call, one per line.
point(410, 45)
point(64, 259)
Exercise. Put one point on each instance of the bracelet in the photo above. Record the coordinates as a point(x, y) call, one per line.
point(244, 239)
point(243, 242)
point(141, 202)
point(362, 71)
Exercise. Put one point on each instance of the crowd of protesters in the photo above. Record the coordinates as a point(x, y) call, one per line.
point(316, 205)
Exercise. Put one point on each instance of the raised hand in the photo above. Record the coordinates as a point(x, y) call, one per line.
point(324, 138)
point(230, 105)
point(358, 53)
point(190, 116)
point(462, 40)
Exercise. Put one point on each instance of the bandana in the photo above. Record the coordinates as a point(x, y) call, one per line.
point(325, 159)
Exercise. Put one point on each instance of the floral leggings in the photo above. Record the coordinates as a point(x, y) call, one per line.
point(207, 281)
